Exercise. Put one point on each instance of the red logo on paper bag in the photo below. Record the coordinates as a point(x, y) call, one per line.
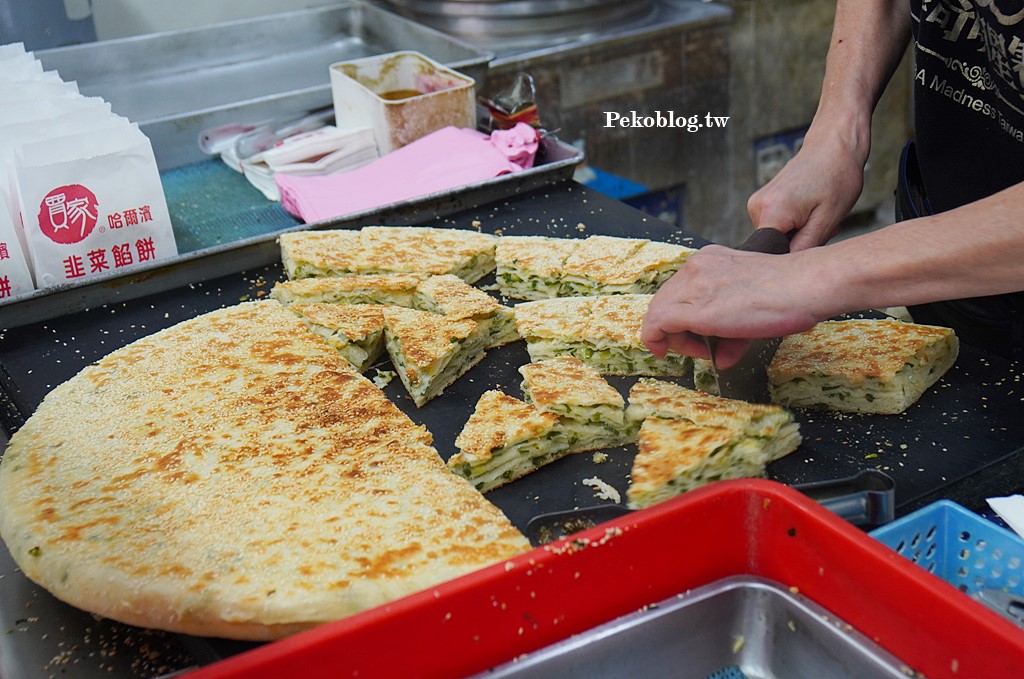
point(68, 214)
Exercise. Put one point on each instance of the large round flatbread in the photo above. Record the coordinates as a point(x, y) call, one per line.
point(233, 476)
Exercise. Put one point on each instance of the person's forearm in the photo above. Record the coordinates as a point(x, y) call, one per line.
point(974, 250)
point(816, 189)
point(868, 41)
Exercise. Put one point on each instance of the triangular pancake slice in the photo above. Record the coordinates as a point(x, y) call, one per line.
point(590, 410)
point(456, 299)
point(433, 250)
point(651, 265)
point(355, 330)
point(675, 456)
point(689, 438)
point(430, 351)
point(880, 366)
point(594, 263)
point(307, 254)
point(505, 439)
point(773, 427)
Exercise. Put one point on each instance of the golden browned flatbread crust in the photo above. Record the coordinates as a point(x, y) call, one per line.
point(855, 349)
point(499, 420)
point(879, 366)
point(566, 380)
point(233, 476)
point(388, 249)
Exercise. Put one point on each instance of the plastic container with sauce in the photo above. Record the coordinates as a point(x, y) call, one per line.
point(401, 96)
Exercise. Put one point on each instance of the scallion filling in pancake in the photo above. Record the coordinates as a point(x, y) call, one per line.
point(589, 409)
point(602, 331)
point(536, 267)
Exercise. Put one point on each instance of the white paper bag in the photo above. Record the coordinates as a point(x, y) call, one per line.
point(86, 119)
point(15, 278)
point(20, 67)
point(11, 50)
point(41, 89)
point(92, 204)
point(40, 111)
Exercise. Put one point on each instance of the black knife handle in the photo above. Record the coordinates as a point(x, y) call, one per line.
point(767, 240)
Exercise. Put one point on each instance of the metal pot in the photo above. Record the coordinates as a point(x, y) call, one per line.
point(521, 20)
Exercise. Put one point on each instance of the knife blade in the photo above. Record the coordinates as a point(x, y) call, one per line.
point(747, 380)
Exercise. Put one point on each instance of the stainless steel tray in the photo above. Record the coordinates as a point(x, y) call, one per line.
point(741, 627)
point(555, 163)
point(177, 83)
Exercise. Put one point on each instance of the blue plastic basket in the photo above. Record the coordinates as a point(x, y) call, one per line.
point(957, 545)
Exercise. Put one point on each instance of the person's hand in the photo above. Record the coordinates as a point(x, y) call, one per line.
point(812, 194)
point(731, 295)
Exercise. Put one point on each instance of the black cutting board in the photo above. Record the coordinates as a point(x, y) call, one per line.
point(972, 420)
point(962, 440)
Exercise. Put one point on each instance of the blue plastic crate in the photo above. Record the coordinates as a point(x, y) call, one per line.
point(964, 549)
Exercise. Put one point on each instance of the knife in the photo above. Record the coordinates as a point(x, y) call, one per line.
point(748, 379)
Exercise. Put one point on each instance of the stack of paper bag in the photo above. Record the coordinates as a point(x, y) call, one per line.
point(79, 184)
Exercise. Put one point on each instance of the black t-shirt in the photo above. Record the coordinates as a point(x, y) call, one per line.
point(969, 115)
point(969, 97)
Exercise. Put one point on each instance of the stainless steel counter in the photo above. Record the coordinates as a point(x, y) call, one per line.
point(178, 83)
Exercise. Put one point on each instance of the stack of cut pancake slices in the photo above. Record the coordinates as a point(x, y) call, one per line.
point(259, 484)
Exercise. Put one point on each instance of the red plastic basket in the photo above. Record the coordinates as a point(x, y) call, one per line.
point(744, 527)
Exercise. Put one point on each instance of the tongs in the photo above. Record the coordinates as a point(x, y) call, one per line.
point(866, 500)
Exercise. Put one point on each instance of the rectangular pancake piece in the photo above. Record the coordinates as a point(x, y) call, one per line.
point(505, 439)
point(589, 409)
point(397, 289)
point(880, 366)
point(388, 249)
point(530, 267)
point(602, 331)
point(534, 267)
point(771, 429)
point(430, 351)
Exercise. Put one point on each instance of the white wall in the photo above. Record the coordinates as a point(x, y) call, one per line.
point(120, 18)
